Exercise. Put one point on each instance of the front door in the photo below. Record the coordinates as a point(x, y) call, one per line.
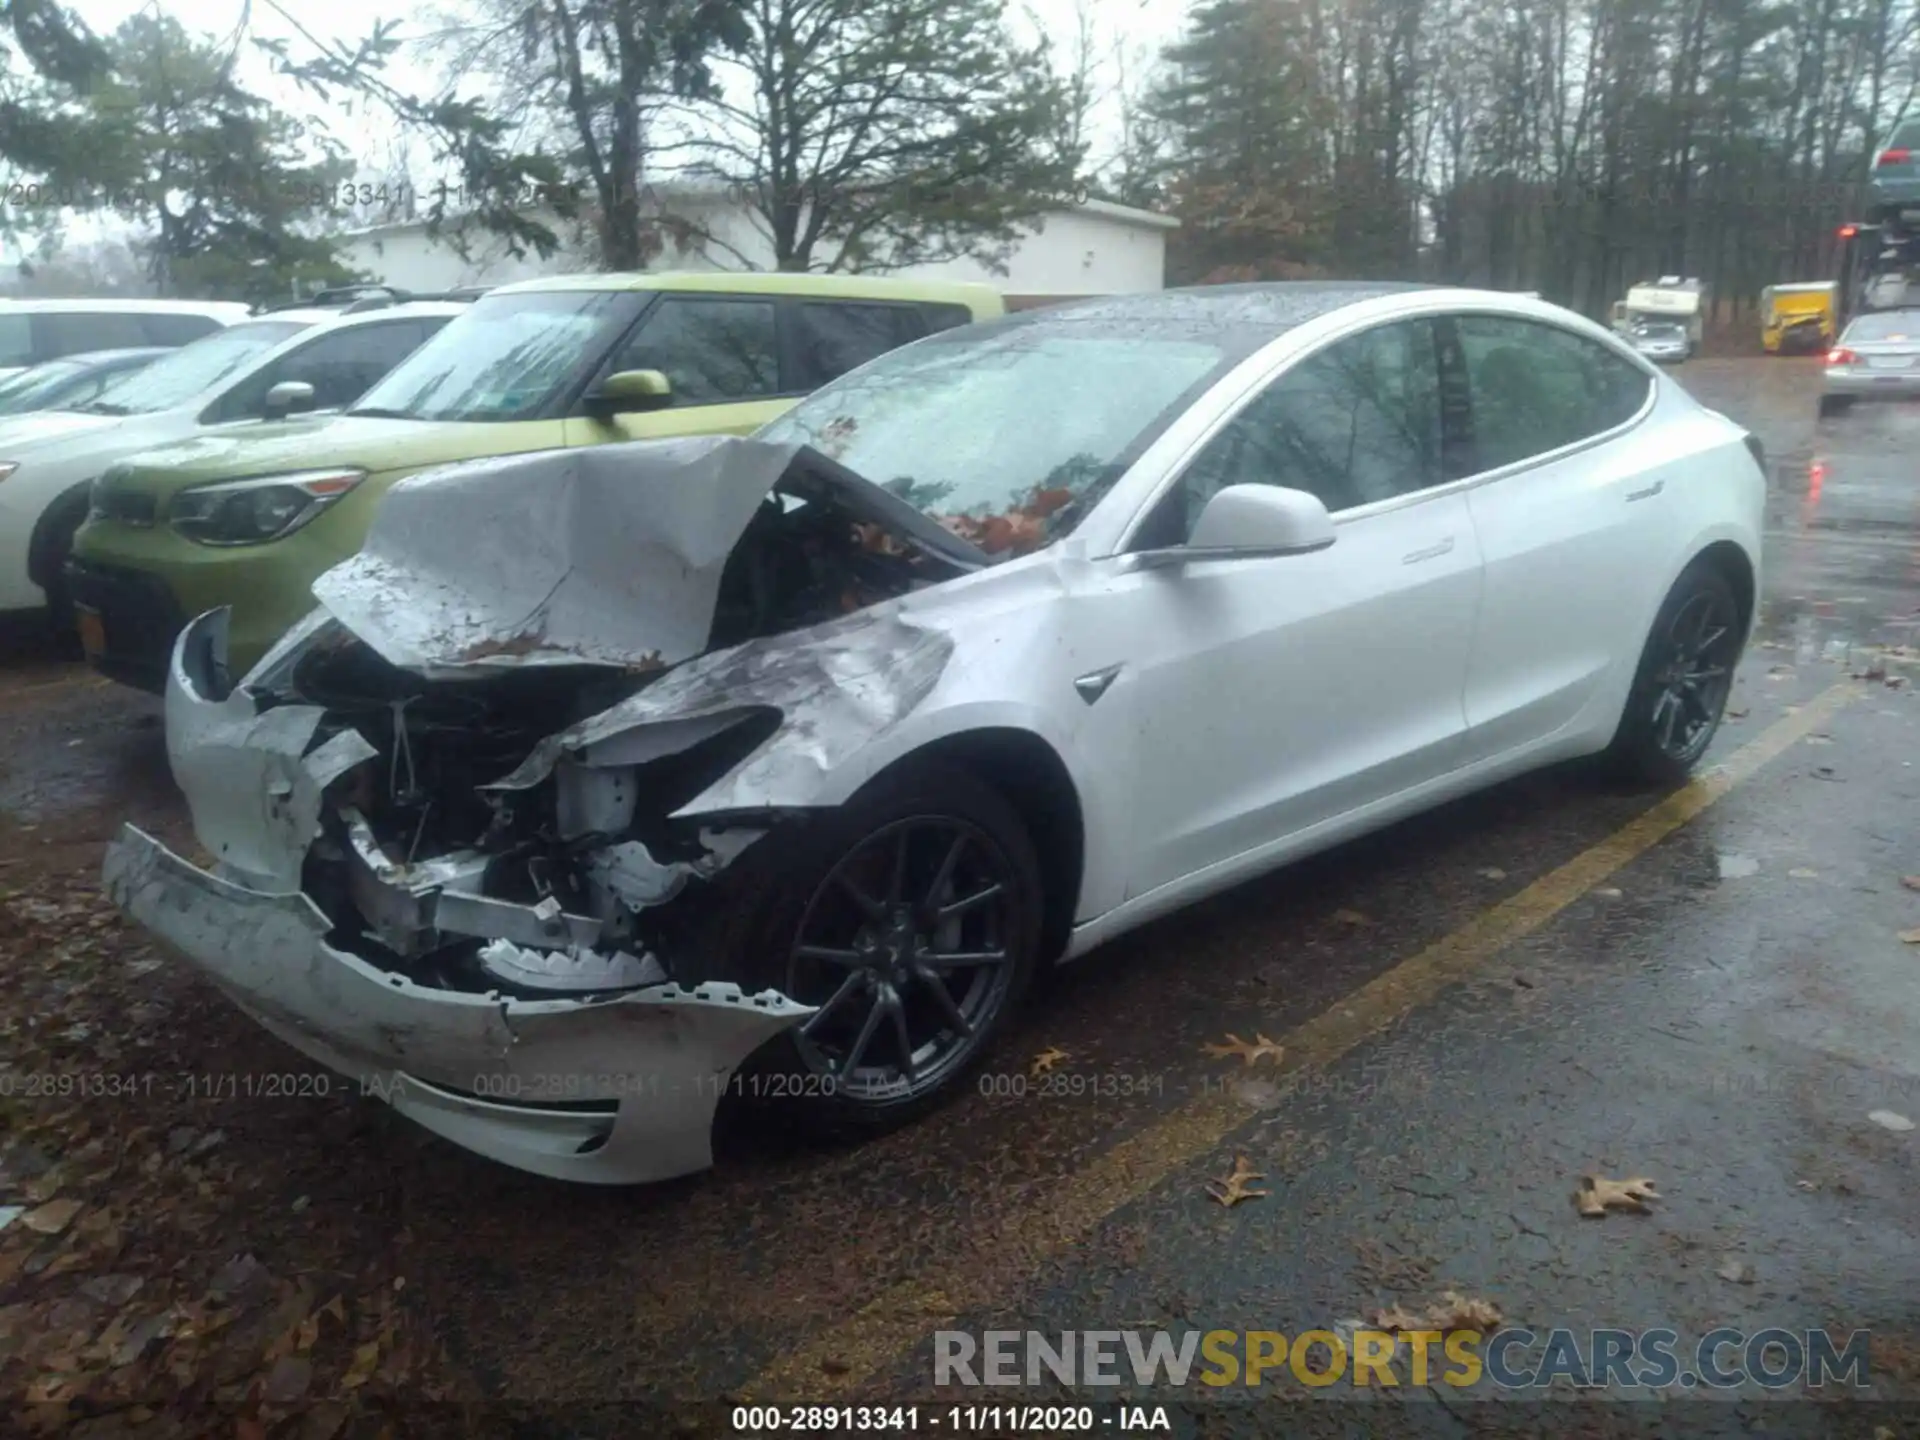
point(1277, 694)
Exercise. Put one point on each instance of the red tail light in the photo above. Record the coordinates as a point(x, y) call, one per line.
point(1842, 356)
point(1847, 232)
point(1893, 157)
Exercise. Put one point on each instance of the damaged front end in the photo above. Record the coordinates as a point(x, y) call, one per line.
point(464, 819)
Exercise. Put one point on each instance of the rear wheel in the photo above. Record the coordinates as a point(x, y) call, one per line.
point(1680, 689)
point(910, 917)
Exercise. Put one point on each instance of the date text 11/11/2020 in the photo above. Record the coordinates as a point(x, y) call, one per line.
point(170, 1085)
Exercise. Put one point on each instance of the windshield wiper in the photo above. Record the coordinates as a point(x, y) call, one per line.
point(102, 407)
point(381, 414)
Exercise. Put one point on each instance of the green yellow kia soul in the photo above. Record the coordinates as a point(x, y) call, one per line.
point(250, 518)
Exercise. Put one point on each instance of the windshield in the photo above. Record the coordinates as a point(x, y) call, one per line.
point(508, 358)
point(1007, 436)
point(31, 389)
point(190, 371)
point(1891, 325)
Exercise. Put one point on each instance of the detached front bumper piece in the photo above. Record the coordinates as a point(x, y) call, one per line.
point(619, 1089)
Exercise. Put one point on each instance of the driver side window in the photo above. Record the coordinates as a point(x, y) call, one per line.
point(1354, 423)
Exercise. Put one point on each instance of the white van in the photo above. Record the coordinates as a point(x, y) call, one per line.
point(35, 330)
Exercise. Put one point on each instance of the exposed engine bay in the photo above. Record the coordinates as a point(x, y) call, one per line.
point(523, 825)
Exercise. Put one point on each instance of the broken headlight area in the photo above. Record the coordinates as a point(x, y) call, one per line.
point(580, 877)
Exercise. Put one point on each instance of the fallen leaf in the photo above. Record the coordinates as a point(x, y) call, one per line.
point(1890, 1120)
point(1598, 1195)
point(365, 1361)
point(1452, 1311)
point(1737, 714)
point(1231, 1189)
point(1912, 882)
point(830, 1366)
point(1351, 917)
point(1909, 937)
point(1612, 892)
point(1249, 1052)
point(1493, 872)
point(1044, 1062)
point(287, 1381)
point(1804, 874)
point(1463, 1312)
point(1736, 1270)
point(52, 1217)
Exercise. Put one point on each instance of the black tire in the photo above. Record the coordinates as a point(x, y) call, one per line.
point(1835, 404)
point(786, 889)
point(1681, 685)
point(52, 545)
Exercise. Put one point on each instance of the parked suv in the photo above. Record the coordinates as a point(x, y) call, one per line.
point(1893, 188)
point(250, 521)
point(223, 385)
point(35, 330)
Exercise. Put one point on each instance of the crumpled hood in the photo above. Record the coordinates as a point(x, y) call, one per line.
point(608, 554)
point(371, 443)
point(23, 434)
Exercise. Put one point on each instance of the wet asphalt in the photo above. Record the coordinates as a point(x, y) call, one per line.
point(1478, 1007)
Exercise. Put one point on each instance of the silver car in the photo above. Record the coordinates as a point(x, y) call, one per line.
point(1877, 354)
point(1663, 343)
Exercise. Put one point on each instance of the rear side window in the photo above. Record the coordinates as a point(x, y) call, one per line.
point(176, 329)
point(711, 351)
point(1534, 388)
point(832, 337)
point(1906, 136)
point(946, 317)
point(16, 339)
point(73, 332)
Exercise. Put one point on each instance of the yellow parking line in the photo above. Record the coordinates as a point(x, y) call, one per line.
point(837, 1358)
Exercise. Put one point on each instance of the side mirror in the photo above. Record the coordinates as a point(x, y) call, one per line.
point(1248, 521)
point(287, 398)
point(628, 391)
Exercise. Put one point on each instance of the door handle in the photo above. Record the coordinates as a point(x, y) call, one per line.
point(1432, 552)
point(1647, 494)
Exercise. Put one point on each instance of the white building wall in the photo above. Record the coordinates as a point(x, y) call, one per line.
point(1079, 252)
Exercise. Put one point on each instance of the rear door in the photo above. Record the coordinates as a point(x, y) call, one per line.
point(1569, 510)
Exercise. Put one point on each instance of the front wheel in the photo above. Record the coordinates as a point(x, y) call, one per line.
point(910, 917)
point(1685, 675)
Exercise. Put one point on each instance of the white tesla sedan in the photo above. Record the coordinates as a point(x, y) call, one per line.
point(606, 783)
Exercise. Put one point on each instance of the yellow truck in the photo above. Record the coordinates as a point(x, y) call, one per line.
point(1799, 319)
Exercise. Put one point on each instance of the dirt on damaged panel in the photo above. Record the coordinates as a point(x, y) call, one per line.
point(181, 1253)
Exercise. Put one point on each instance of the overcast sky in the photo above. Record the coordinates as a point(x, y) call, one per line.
point(1134, 28)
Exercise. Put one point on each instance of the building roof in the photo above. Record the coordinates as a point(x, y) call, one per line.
point(973, 295)
point(686, 190)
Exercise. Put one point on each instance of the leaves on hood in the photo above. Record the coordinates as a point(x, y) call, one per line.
point(1235, 1186)
point(1597, 1195)
point(1260, 1046)
point(51, 1218)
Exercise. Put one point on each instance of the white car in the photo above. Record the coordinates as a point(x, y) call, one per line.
point(50, 458)
point(607, 782)
point(35, 331)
